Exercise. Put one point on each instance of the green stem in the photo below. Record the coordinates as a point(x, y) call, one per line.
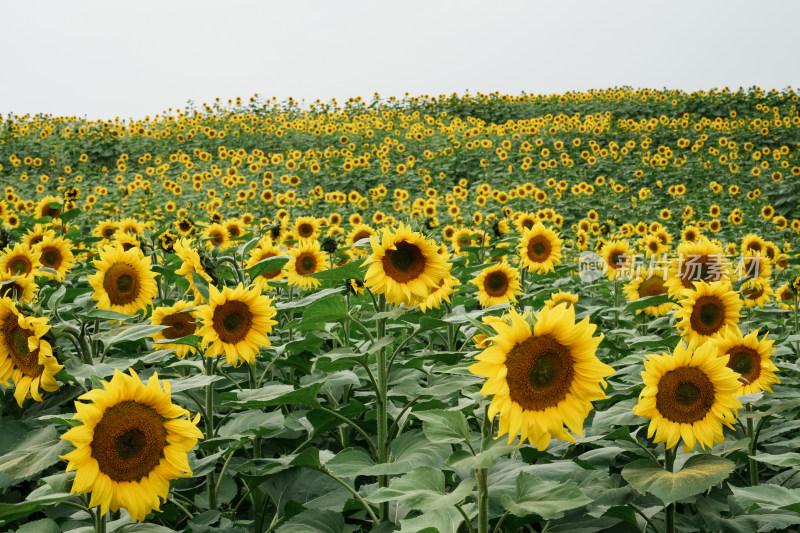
point(357, 496)
point(76, 337)
point(100, 522)
point(500, 522)
point(209, 368)
point(355, 426)
point(641, 513)
point(482, 474)
point(382, 413)
point(669, 462)
point(752, 465)
point(466, 519)
point(181, 507)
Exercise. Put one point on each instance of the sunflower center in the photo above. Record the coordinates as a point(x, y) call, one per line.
point(121, 282)
point(180, 325)
point(51, 258)
point(540, 372)
point(404, 263)
point(232, 321)
point(746, 362)
point(129, 441)
point(19, 265)
point(16, 343)
point(109, 232)
point(708, 315)
point(652, 287)
point(700, 268)
point(495, 284)
point(305, 230)
point(685, 395)
point(361, 235)
point(216, 238)
point(617, 260)
point(306, 264)
point(539, 249)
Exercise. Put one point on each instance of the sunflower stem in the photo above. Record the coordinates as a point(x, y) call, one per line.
point(751, 463)
point(669, 462)
point(382, 414)
point(482, 474)
point(209, 368)
point(99, 522)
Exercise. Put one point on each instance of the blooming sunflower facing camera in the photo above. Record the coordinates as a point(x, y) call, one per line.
point(540, 249)
point(497, 284)
point(707, 310)
point(689, 395)
point(236, 322)
point(750, 358)
point(123, 282)
point(304, 259)
point(180, 320)
point(542, 377)
point(404, 266)
point(132, 441)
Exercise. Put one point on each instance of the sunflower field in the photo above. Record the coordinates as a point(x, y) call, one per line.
point(465, 313)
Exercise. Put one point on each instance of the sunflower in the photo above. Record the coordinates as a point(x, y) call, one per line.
point(618, 258)
point(307, 258)
point(191, 263)
point(753, 243)
point(447, 286)
point(132, 442)
point(540, 249)
point(234, 228)
point(180, 318)
point(688, 395)
point(216, 236)
point(707, 309)
point(132, 226)
point(25, 357)
point(750, 358)
point(123, 281)
point(55, 254)
point(497, 284)
point(645, 284)
point(785, 297)
point(306, 228)
point(564, 298)
point(756, 293)
point(653, 246)
point(20, 261)
point(45, 209)
point(18, 288)
point(236, 322)
point(697, 261)
point(362, 231)
point(105, 230)
point(36, 235)
point(264, 250)
point(404, 266)
point(542, 377)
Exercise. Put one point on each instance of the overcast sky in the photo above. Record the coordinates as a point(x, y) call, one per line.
point(102, 59)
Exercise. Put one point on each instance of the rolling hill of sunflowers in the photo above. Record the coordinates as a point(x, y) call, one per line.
point(499, 313)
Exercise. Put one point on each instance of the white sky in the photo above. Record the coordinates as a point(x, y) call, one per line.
point(102, 59)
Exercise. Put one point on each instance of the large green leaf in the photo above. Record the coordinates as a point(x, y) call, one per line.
point(439, 521)
point(30, 455)
point(444, 426)
point(424, 490)
point(315, 521)
point(254, 422)
point(699, 474)
point(770, 497)
point(783, 459)
point(548, 499)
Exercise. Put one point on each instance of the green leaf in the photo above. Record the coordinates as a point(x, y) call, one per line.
point(768, 497)
point(276, 394)
point(310, 299)
point(269, 264)
point(352, 270)
point(31, 455)
point(13, 511)
point(329, 309)
point(423, 489)
point(195, 382)
point(444, 426)
point(253, 423)
point(643, 303)
point(699, 474)
point(438, 521)
point(315, 521)
point(132, 333)
point(548, 499)
point(45, 525)
point(103, 314)
point(784, 459)
point(201, 284)
point(493, 449)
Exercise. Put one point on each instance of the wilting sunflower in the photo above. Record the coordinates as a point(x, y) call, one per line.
point(306, 258)
point(405, 266)
point(18, 288)
point(132, 442)
point(497, 284)
point(55, 254)
point(750, 358)
point(181, 322)
point(542, 377)
point(618, 258)
point(567, 299)
point(123, 281)
point(264, 250)
point(688, 395)
point(191, 263)
point(540, 249)
point(236, 322)
point(20, 261)
point(25, 357)
point(306, 228)
point(645, 284)
point(707, 310)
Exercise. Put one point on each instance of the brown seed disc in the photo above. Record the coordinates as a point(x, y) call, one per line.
point(540, 372)
point(685, 395)
point(232, 321)
point(121, 282)
point(405, 263)
point(708, 315)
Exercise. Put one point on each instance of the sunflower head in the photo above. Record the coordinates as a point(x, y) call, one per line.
point(497, 284)
point(750, 357)
point(540, 249)
point(707, 309)
point(180, 320)
point(123, 281)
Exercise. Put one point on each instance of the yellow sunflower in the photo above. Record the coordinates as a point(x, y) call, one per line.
point(123, 281)
point(18, 288)
point(540, 249)
point(25, 357)
point(706, 310)
point(306, 228)
point(756, 292)
point(405, 266)
point(688, 395)
point(447, 286)
point(264, 250)
point(306, 258)
point(497, 284)
point(542, 377)
point(105, 230)
point(36, 235)
point(362, 231)
point(132, 441)
point(191, 263)
point(618, 258)
point(236, 322)
point(750, 358)
point(216, 236)
point(567, 299)
point(645, 284)
point(45, 209)
point(181, 322)
point(20, 261)
point(55, 254)
point(785, 297)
